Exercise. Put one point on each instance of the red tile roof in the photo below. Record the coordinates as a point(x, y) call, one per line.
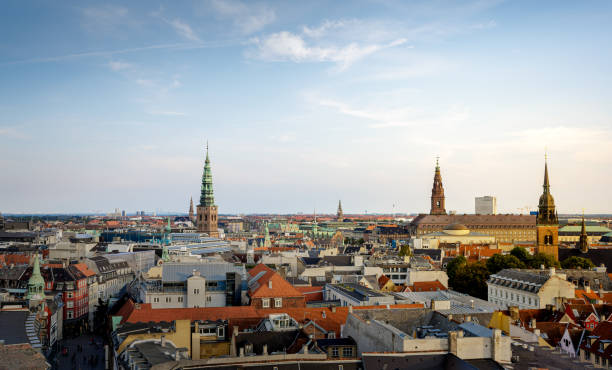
point(278, 288)
point(427, 286)
point(311, 293)
point(84, 269)
point(245, 316)
point(382, 280)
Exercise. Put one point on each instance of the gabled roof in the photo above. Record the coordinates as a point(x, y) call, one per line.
point(259, 284)
point(427, 286)
point(382, 281)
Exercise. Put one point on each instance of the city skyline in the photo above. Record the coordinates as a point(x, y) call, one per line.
point(303, 106)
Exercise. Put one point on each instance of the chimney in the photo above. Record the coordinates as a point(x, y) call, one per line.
point(542, 267)
point(163, 340)
point(265, 349)
point(333, 308)
point(241, 351)
point(305, 349)
point(137, 306)
point(532, 323)
point(587, 288)
point(236, 331)
point(351, 309)
point(270, 284)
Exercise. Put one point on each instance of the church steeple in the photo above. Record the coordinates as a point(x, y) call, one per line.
point(36, 283)
point(207, 198)
point(339, 213)
point(547, 214)
point(207, 210)
point(547, 222)
point(437, 193)
point(191, 209)
point(267, 242)
point(583, 243)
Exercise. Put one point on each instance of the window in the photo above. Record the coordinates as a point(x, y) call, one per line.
point(347, 352)
point(156, 300)
point(208, 298)
point(221, 332)
point(196, 291)
point(69, 295)
point(331, 335)
point(278, 302)
point(168, 299)
point(180, 299)
point(335, 352)
point(69, 314)
point(69, 304)
point(208, 331)
point(265, 302)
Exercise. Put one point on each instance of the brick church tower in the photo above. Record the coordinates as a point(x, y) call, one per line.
point(547, 222)
point(207, 210)
point(437, 194)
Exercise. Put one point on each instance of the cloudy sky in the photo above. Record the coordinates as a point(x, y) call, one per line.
point(106, 105)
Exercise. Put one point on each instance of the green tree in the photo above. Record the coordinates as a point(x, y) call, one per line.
point(405, 250)
point(576, 262)
point(499, 262)
point(471, 279)
point(522, 254)
point(540, 259)
point(452, 267)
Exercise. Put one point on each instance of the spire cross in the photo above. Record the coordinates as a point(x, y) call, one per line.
point(437, 160)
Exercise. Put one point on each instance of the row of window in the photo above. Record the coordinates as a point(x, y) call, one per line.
point(265, 302)
point(493, 292)
point(346, 352)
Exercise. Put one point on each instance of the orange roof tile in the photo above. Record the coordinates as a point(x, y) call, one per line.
point(329, 319)
point(427, 286)
point(382, 280)
point(271, 284)
point(84, 269)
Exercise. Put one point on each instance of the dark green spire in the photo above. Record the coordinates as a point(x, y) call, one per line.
point(207, 198)
point(36, 284)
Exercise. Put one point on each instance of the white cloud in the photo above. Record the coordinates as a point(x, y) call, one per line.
point(168, 113)
point(183, 29)
point(118, 66)
point(286, 46)
point(145, 82)
point(390, 115)
point(323, 28)
point(248, 18)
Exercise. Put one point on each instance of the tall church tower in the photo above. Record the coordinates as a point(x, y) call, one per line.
point(339, 213)
point(437, 194)
point(207, 210)
point(583, 243)
point(36, 283)
point(191, 210)
point(547, 222)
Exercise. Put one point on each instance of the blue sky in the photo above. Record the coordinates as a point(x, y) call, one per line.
point(109, 104)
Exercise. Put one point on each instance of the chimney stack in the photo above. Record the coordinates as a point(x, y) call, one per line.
point(269, 284)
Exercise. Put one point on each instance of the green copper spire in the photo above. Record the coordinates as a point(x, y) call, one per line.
point(167, 231)
point(267, 242)
point(36, 284)
point(165, 255)
point(207, 198)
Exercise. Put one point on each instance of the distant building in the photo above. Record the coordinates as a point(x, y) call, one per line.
point(182, 285)
point(528, 288)
point(340, 213)
point(486, 205)
point(505, 228)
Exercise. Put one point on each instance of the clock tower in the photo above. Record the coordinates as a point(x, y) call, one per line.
point(437, 194)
